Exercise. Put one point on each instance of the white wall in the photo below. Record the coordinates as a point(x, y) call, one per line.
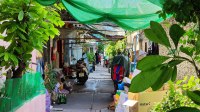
point(37, 104)
point(77, 52)
point(5, 44)
point(131, 41)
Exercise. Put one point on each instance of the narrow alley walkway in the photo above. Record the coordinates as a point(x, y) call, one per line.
point(94, 96)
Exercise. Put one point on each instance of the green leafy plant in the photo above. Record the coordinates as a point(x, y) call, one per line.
point(184, 11)
point(110, 50)
point(156, 69)
point(160, 69)
point(191, 83)
point(114, 47)
point(28, 26)
point(90, 57)
point(51, 79)
point(175, 98)
point(100, 47)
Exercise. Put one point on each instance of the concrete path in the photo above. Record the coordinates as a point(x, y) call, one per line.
point(94, 96)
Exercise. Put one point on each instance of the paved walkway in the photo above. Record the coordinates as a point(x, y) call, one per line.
point(94, 96)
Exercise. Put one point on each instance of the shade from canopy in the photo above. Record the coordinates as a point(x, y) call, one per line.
point(128, 14)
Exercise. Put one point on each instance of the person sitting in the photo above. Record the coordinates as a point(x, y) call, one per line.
point(66, 69)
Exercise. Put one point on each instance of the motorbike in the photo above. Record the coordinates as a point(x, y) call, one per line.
point(70, 71)
point(81, 72)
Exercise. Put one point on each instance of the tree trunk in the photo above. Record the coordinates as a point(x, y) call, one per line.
point(17, 73)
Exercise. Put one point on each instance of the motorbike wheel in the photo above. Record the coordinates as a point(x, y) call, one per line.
point(82, 80)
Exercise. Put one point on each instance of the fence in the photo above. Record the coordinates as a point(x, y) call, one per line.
point(21, 90)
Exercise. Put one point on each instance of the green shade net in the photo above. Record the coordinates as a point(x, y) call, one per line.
point(20, 90)
point(128, 14)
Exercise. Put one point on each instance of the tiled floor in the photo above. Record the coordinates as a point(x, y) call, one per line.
point(94, 96)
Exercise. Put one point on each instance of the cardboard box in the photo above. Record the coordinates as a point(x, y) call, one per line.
point(133, 96)
point(145, 100)
point(131, 106)
point(148, 99)
point(151, 90)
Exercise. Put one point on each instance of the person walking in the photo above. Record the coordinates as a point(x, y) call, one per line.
point(96, 56)
point(99, 59)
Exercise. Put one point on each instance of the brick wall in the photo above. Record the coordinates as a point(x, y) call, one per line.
point(184, 68)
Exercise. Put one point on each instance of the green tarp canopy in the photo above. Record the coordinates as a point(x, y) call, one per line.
point(128, 14)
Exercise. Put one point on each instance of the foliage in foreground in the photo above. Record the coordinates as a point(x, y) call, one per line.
point(157, 70)
point(27, 26)
point(175, 98)
point(184, 11)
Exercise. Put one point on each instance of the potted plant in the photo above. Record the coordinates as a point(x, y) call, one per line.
point(91, 59)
